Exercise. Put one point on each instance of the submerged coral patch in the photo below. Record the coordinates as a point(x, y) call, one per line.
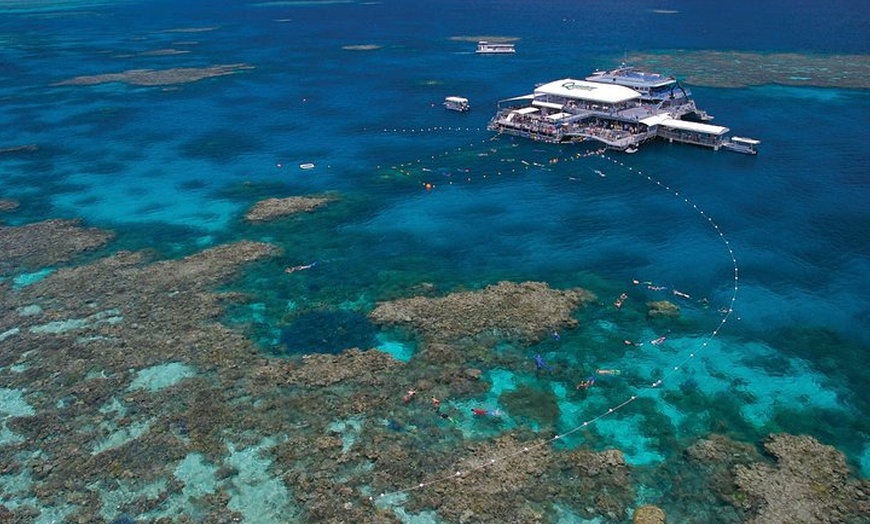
point(158, 77)
point(221, 145)
point(46, 243)
point(120, 436)
point(526, 310)
point(29, 278)
point(110, 316)
point(161, 376)
point(328, 332)
point(532, 403)
point(197, 474)
point(257, 495)
point(9, 333)
point(13, 404)
point(361, 47)
point(272, 208)
point(741, 69)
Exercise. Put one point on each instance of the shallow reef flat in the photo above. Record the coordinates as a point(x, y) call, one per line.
point(157, 77)
point(33, 246)
point(741, 69)
point(529, 310)
point(488, 38)
point(123, 395)
point(272, 208)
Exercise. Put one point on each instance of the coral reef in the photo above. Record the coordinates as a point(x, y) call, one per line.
point(27, 148)
point(273, 208)
point(741, 69)
point(648, 515)
point(157, 77)
point(524, 488)
point(532, 404)
point(8, 205)
point(662, 309)
point(46, 243)
point(527, 310)
point(124, 374)
point(87, 332)
point(362, 367)
point(809, 483)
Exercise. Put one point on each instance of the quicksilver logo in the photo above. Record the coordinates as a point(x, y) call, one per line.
point(575, 85)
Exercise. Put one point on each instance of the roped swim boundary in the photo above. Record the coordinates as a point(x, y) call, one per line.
point(668, 373)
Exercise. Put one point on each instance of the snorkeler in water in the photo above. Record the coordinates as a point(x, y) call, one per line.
point(622, 298)
point(586, 384)
point(302, 267)
point(409, 396)
point(480, 412)
point(540, 364)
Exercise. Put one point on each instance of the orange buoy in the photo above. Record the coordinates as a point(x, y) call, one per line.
point(428, 186)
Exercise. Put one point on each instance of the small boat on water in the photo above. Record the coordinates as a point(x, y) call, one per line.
point(457, 103)
point(739, 144)
point(494, 48)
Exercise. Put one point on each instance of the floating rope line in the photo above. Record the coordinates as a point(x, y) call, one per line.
point(511, 165)
point(671, 371)
point(419, 130)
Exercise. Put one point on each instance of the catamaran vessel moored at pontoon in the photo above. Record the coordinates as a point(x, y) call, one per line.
point(654, 88)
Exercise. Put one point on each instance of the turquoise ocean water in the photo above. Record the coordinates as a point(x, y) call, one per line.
point(355, 88)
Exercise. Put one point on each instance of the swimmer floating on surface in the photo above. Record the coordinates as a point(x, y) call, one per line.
point(587, 383)
point(302, 267)
point(622, 298)
point(409, 396)
point(649, 285)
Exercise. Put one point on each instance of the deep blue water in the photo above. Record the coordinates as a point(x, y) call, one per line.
point(174, 168)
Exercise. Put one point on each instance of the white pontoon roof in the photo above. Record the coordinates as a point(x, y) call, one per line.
point(557, 116)
point(525, 110)
point(548, 105)
point(587, 91)
point(517, 98)
point(457, 99)
point(685, 125)
point(655, 119)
